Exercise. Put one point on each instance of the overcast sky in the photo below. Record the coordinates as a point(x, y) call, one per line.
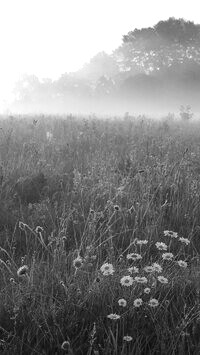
point(50, 37)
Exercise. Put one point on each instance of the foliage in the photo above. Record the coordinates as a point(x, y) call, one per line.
point(160, 61)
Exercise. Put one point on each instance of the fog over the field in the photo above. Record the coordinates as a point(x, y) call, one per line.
point(153, 71)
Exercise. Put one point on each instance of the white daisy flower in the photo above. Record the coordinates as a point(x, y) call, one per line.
point(141, 242)
point(184, 240)
point(127, 338)
point(161, 246)
point(167, 256)
point(170, 234)
point(138, 302)
point(142, 280)
point(122, 302)
point(182, 263)
point(153, 302)
point(133, 269)
point(107, 269)
point(134, 256)
point(126, 281)
point(149, 269)
point(113, 316)
point(162, 279)
point(157, 267)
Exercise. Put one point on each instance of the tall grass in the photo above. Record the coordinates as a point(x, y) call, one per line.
point(91, 267)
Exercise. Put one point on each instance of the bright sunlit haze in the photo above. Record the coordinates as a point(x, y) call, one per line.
point(50, 37)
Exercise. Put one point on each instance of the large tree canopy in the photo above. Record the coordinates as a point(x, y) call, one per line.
point(158, 62)
point(152, 49)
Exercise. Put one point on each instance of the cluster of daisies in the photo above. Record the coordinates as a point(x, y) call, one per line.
point(154, 269)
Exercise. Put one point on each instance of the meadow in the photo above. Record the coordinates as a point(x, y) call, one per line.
point(99, 235)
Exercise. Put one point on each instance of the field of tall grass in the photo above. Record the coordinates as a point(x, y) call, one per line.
point(99, 236)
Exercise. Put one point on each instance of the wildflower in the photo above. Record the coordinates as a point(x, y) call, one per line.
point(116, 208)
point(184, 240)
point(134, 256)
point(126, 281)
point(170, 234)
point(122, 302)
point(161, 246)
point(107, 269)
point(167, 256)
point(149, 269)
point(22, 270)
point(65, 345)
point(133, 269)
point(182, 263)
point(147, 290)
point(113, 316)
point(138, 302)
point(141, 280)
point(39, 229)
point(127, 338)
point(162, 279)
point(78, 262)
point(142, 242)
point(157, 267)
point(153, 302)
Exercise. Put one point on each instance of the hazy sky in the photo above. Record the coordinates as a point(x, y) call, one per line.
point(50, 37)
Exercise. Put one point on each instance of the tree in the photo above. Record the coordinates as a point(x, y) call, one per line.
point(152, 49)
point(100, 65)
